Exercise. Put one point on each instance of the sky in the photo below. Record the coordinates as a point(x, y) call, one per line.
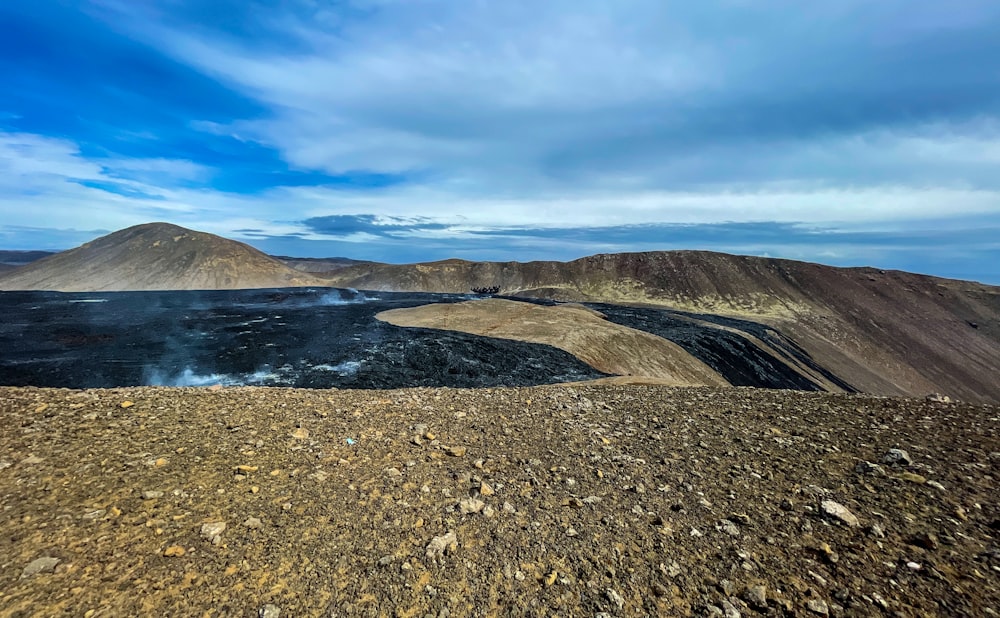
point(845, 132)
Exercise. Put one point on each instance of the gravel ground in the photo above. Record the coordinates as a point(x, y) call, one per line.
point(556, 501)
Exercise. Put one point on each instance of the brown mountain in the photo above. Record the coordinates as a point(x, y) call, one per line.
point(156, 256)
point(884, 332)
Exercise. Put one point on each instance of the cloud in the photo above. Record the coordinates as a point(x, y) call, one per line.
point(509, 127)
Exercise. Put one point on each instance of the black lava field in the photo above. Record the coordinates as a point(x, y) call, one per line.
point(301, 337)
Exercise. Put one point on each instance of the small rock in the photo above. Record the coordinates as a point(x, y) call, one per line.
point(867, 467)
point(936, 485)
point(213, 531)
point(818, 606)
point(927, 540)
point(301, 433)
point(913, 478)
point(152, 495)
point(246, 469)
point(615, 598)
point(757, 597)
point(897, 457)
point(40, 565)
point(32, 460)
point(393, 473)
point(730, 610)
point(127, 404)
point(840, 512)
point(269, 611)
point(728, 527)
point(439, 545)
point(253, 523)
point(160, 462)
point(174, 551)
point(471, 505)
point(456, 451)
point(876, 531)
point(485, 489)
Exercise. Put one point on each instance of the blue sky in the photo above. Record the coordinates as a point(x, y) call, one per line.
point(845, 132)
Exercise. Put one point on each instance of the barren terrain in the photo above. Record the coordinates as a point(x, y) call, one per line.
point(561, 500)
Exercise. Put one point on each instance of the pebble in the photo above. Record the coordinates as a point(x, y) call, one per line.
point(897, 457)
point(213, 531)
point(728, 527)
point(486, 489)
point(613, 596)
point(757, 597)
point(441, 544)
point(867, 467)
point(818, 606)
point(152, 495)
point(730, 610)
point(471, 505)
point(269, 611)
point(301, 433)
point(456, 451)
point(40, 565)
point(840, 512)
point(913, 478)
point(174, 551)
point(253, 523)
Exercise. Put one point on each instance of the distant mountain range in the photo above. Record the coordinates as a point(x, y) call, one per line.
point(883, 332)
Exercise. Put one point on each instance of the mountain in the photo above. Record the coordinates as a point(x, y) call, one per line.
point(156, 256)
point(884, 332)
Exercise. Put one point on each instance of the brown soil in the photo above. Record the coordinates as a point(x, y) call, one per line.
point(582, 332)
point(628, 500)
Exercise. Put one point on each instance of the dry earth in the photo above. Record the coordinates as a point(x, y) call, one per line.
point(583, 332)
point(556, 501)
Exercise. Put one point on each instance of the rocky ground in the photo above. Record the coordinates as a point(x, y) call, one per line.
point(562, 501)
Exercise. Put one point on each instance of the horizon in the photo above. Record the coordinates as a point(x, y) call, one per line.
point(401, 132)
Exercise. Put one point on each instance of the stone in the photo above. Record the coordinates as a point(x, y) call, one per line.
point(456, 451)
point(301, 433)
point(612, 595)
point(757, 597)
point(31, 460)
point(46, 564)
point(152, 495)
point(839, 512)
point(246, 469)
point(728, 527)
point(897, 457)
point(818, 606)
point(867, 467)
point(213, 531)
point(936, 485)
point(469, 506)
point(485, 489)
point(440, 545)
point(174, 551)
point(913, 478)
point(127, 404)
point(269, 611)
point(253, 523)
point(730, 610)
point(393, 473)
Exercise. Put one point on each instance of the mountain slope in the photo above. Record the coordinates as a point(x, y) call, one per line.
point(156, 256)
point(884, 332)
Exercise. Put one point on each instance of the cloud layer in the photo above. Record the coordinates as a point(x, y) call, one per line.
point(850, 131)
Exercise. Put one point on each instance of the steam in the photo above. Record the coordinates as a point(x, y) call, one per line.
point(336, 298)
point(282, 376)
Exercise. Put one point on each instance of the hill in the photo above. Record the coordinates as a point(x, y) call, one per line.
point(885, 332)
point(156, 256)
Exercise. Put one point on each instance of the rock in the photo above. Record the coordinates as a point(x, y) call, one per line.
point(471, 505)
point(927, 540)
point(174, 551)
point(897, 457)
point(253, 523)
point(728, 527)
point(616, 599)
point(152, 495)
point(456, 451)
point(269, 611)
point(246, 469)
point(730, 610)
point(393, 473)
point(839, 512)
point(757, 597)
point(867, 467)
point(913, 478)
point(301, 433)
point(485, 489)
point(127, 404)
point(936, 485)
point(213, 531)
point(818, 606)
point(40, 565)
point(439, 545)
point(159, 462)
point(938, 397)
